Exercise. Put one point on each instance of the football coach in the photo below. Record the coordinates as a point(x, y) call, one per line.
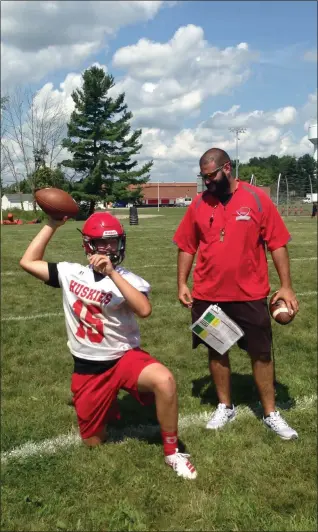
point(229, 226)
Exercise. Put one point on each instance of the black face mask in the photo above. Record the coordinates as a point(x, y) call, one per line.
point(219, 188)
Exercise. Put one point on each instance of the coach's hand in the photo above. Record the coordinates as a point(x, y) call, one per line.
point(185, 297)
point(289, 296)
point(101, 264)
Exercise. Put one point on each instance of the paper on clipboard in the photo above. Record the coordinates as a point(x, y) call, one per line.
point(217, 329)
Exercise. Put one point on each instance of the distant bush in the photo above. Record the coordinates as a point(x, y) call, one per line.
point(25, 216)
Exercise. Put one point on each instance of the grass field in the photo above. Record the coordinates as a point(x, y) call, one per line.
point(248, 479)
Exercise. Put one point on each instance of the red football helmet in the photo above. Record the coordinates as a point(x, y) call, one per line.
point(104, 226)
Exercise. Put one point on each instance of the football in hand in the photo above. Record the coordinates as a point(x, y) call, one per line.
point(56, 203)
point(279, 311)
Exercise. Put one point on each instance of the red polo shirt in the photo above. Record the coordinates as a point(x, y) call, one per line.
point(231, 242)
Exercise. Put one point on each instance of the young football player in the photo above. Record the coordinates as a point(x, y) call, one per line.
point(100, 301)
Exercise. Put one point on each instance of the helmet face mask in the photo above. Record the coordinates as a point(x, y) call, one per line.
point(100, 233)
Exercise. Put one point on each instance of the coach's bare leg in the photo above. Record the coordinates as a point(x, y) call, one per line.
point(221, 373)
point(97, 439)
point(263, 371)
point(158, 379)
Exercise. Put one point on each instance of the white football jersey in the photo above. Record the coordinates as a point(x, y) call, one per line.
point(99, 323)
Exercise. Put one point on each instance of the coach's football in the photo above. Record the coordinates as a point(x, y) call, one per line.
point(56, 203)
point(279, 311)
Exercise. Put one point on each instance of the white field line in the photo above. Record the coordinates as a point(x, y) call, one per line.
point(145, 238)
point(270, 263)
point(11, 273)
point(33, 316)
point(303, 243)
point(55, 314)
point(303, 258)
point(65, 441)
point(300, 233)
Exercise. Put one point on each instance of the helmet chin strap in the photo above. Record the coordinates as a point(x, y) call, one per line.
point(115, 258)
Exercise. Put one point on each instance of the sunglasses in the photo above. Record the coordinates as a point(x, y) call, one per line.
point(212, 174)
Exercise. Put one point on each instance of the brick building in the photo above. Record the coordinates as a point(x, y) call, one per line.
point(168, 193)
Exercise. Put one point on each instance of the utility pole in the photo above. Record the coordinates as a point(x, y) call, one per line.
point(237, 130)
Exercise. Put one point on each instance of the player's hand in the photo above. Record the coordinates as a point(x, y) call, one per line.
point(185, 297)
point(101, 264)
point(289, 296)
point(56, 223)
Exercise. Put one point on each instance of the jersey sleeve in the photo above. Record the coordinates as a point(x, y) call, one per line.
point(53, 275)
point(138, 282)
point(62, 269)
point(273, 230)
point(186, 236)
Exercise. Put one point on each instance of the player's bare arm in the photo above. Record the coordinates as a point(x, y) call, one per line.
point(185, 261)
point(137, 301)
point(281, 261)
point(32, 261)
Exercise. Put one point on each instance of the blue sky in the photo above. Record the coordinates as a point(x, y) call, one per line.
point(269, 84)
point(280, 31)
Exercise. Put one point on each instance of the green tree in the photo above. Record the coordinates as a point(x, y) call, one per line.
point(307, 168)
point(101, 142)
point(262, 175)
point(288, 167)
point(48, 177)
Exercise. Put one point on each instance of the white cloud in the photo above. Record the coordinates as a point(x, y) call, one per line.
point(170, 81)
point(68, 22)
point(165, 83)
point(254, 119)
point(309, 110)
point(19, 66)
point(177, 155)
point(61, 97)
point(43, 36)
point(186, 50)
point(311, 56)
point(176, 151)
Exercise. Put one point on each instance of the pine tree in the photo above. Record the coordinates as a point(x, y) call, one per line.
point(101, 142)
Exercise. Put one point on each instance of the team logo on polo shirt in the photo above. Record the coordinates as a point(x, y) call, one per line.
point(243, 213)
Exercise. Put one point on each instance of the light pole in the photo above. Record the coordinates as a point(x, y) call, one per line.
point(311, 192)
point(287, 192)
point(237, 130)
point(158, 195)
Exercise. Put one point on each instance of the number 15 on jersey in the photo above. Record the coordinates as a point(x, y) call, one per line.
point(90, 325)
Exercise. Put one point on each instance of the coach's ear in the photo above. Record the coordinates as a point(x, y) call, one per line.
point(227, 169)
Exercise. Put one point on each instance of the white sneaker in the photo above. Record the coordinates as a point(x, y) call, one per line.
point(275, 422)
point(221, 417)
point(181, 465)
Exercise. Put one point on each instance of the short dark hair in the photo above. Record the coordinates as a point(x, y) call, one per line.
point(217, 155)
